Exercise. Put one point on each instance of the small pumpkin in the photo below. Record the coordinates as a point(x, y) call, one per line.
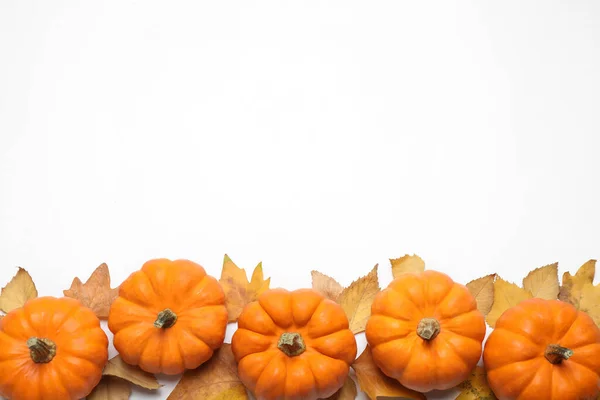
point(51, 348)
point(169, 316)
point(425, 331)
point(293, 345)
point(543, 349)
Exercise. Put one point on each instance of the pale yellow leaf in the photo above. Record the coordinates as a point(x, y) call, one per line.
point(483, 291)
point(238, 290)
point(572, 286)
point(590, 301)
point(119, 368)
point(216, 379)
point(110, 388)
point(406, 265)
point(476, 387)
point(376, 384)
point(543, 282)
point(16, 293)
point(95, 293)
point(326, 285)
point(347, 392)
point(506, 295)
point(357, 298)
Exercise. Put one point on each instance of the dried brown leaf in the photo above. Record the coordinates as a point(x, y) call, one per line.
point(95, 293)
point(111, 388)
point(543, 282)
point(476, 387)
point(217, 379)
point(357, 298)
point(16, 293)
point(506, 295)
point(590, 301)
point(407, 264)
point(377, 385)
point(571, 290)
point(326, 285)
point(483, 291)
point(347, 392)
point(120, 369)
point(238, 290)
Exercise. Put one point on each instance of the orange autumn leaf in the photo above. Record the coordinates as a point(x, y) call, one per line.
point(356, 300)
point(95, 293)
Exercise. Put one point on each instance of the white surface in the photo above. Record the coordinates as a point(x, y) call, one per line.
point(326, 135)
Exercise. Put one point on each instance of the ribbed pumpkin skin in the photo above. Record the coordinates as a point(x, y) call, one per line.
point(419, 364)
point(514, 354)
point(273, 375)
point(81, 350)
point(183, 287)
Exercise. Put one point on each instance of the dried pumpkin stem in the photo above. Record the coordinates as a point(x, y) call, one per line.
point(428, 328)
point(291, 344)
point(165, 319)
point(557, 354)
point(41, 350)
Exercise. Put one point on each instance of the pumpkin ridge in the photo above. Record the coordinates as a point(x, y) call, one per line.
point(522, 335)
point(406, 295)
point(151, 283)
point(260, 376)
point(68, 315)
point(453, 286)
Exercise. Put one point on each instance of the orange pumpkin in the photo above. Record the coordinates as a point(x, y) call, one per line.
point(425, 331)
point(293, 346)
point(51, 348)
point(543, 349)
point(169, 316)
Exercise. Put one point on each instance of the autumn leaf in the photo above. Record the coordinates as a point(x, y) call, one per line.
point(95, 293)
point(326, 285)
point(110, 388)
point(483, 291)
point(118, 368)
point(377, 385)
point(476, 387)
point(16, 293)
point(590, 302)
point(506, 295)
point(407, 264)
point(543, 282)
point(357, 298)
point(571, 290)
point(217, 379)
point(347, 392)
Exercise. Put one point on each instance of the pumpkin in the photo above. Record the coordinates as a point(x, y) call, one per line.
point(293, 345)
point(425, 331)
point(169, 316)
point(543, 349)
point(51, 348)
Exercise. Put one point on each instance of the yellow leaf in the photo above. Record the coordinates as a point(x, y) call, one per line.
point(357, 298)
point(347, 392)
point(110, 388)
point(120, 369)
point(377, 385)
point(571, 289)
point(483, 291)
point(476, 387)
point(326, 285)
point(238, 291)
point(407, 264)
point(16, 293)
point(543, 282)
point(216, 379)
point(590, 301)
point(506, 295)
point(95, 293)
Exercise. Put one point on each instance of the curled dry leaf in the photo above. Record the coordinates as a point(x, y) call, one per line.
point(357, 298)
point(347, 392)
point(483, 291)
point(95, 293)
point(326, 285)
point(216, 379)
point(16, 293)
point(580, 291)
point(506, 295)
point(476, 387)
point(377, 385)
point(407, 264)
point(543, 282)
point(238, 290)
point(118, 368)
point(110, 388)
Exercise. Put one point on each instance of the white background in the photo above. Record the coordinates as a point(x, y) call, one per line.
point(327, 135)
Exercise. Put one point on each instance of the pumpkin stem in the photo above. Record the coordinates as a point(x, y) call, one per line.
point(165, 319)
point(291, 344)
point(428, 328)
point(41, 350)
point(557, 354)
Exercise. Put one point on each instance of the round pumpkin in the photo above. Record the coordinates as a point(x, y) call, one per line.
point(425, 331)
point(543, 349)
point(169, 316)
point(293, 345)
point(51, 348)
